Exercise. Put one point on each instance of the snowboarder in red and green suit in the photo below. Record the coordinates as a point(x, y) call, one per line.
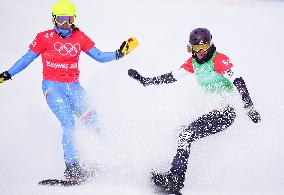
point(215, 74)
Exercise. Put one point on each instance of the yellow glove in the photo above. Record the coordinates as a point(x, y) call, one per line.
point(127, 47)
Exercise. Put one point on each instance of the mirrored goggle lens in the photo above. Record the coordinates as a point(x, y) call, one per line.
point(199, 47)
point(65, 19)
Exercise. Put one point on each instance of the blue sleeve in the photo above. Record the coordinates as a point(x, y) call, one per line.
point(101, 56)
point(22, 63)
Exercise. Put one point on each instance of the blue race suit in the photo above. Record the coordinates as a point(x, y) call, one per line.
point(67, 100)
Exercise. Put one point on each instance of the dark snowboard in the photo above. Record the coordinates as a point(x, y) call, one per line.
point(92, 172)
point(60, 182)
point(164, 191)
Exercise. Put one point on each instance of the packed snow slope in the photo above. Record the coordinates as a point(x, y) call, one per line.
point(139, 126)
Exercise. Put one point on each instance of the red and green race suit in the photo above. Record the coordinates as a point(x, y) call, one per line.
point(214, 76)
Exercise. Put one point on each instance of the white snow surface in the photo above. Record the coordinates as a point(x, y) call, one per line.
point(139, 126)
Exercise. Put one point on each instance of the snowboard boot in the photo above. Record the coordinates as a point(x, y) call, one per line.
point(74, 172)
point(170, 182)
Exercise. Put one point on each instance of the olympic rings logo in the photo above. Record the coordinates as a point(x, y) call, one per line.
point(67, 48)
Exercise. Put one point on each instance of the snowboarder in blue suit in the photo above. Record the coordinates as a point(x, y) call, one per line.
point(215, 74)
point(60, 49)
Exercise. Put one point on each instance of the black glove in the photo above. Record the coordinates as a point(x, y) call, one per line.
point(135, 75)
point(4, 76)
point(248, 104)
point(165, 78)
point(253, 115)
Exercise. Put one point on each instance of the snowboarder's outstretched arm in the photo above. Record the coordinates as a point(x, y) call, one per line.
point(125, 48)
point(223, 65)
point(20, 65)
point(165, 78)
point(248, 104)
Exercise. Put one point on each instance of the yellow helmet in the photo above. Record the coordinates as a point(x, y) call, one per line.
point(64, 8)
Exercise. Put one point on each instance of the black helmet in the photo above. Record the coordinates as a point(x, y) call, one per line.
point(199, 36)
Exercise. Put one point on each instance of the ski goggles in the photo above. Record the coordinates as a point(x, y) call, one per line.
point(198, 47)
point(61, 20)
